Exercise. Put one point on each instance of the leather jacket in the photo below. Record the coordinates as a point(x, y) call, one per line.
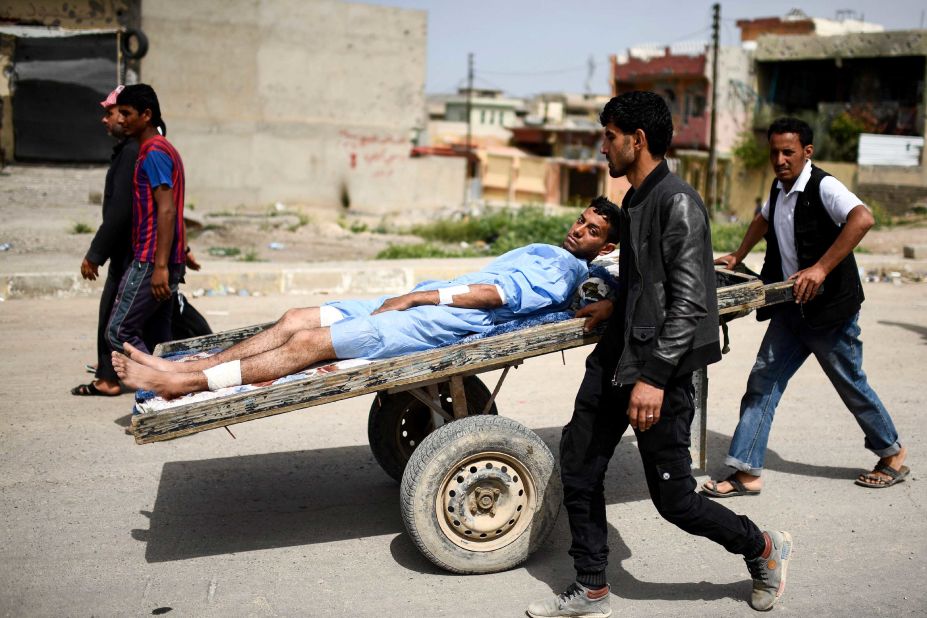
point(666, 318)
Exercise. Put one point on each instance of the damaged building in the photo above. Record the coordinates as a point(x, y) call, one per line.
point(315, 103)
point(844, 85)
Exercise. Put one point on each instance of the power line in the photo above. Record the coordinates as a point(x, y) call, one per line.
point(528, 73)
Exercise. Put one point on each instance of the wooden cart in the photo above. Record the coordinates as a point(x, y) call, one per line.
point(479, 492)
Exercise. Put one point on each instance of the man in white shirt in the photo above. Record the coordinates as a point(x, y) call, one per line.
point(816, 224)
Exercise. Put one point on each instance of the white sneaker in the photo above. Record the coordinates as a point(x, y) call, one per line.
point(573, 602)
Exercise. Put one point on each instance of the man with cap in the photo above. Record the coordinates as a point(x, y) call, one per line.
point(111, 242)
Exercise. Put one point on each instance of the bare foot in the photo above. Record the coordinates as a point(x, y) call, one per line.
point(138, 376)
point(149, 360)
point(750, 482)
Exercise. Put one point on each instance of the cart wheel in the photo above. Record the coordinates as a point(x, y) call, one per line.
point(480, 495)
point(399, 422)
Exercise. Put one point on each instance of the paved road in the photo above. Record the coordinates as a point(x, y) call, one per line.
point(294, 517)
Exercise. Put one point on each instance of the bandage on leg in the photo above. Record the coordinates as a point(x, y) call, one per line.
point(224, 375)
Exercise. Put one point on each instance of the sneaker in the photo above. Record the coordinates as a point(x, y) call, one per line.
point(768, 570)
point(574, 602)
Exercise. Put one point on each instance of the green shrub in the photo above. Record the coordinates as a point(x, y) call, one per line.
point(726, 237)
point(501, 229)
point(251, 255)
point(81, 228)
point(425, 250)
point(880, 214)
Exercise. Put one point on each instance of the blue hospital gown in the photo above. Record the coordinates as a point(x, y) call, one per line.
point(536, 279)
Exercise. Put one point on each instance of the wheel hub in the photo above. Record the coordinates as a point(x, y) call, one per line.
point(486, 502)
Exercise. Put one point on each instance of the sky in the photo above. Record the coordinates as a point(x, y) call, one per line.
point(525, 47)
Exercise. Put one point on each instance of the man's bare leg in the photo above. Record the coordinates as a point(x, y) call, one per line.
point(304, 348)
point(293, 321)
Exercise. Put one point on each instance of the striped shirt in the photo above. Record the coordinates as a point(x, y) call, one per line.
point(158, 164)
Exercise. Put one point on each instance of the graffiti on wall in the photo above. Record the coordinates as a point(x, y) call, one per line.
point(374, 154)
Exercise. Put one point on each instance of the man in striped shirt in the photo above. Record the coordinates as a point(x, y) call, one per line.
point(142, 311)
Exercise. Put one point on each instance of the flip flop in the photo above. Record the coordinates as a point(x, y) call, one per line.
point(90, 368)
point(90, 390)
point(739, 489)
point(872, 480)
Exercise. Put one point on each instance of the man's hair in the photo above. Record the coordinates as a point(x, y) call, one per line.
point(142, 97)
point(792, 125)
point(607, 209)
point(641, 110)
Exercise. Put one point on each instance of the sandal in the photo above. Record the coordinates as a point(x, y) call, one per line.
point(739, 489)
point(90, 390)
point(875, 481)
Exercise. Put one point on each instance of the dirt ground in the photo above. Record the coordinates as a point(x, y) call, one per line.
point(42, 205)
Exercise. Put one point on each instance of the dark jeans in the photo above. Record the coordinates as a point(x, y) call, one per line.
point(105, 369)
point(137, 316)
point(588, 443)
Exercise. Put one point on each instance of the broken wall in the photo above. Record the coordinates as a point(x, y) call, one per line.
point(301, 102)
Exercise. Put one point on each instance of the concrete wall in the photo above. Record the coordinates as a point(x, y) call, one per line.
point(748, 186)
point(311, 102)
point(735, 100)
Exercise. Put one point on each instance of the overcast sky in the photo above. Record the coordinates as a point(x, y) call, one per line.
point(528, 46)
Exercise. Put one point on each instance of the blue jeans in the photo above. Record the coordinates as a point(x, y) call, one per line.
point(786, 345)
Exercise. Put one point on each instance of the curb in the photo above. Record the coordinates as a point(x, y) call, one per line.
point(350, 278)
point(356, 278)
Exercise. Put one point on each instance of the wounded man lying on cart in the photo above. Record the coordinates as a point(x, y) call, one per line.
point(534, 280)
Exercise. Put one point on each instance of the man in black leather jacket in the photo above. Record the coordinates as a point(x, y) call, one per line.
point(663, 326)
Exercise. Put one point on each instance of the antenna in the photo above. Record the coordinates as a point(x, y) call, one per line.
point(590, 71)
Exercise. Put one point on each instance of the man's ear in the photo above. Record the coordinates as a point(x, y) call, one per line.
point(809, 150)
point(608, 248)
point(640, 139)
point(146, 115)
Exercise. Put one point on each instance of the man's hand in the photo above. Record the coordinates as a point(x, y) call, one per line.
point(807, 283)
point(595, 313)
point(192, 264)
point(729, 261)
point(160, 284)
point(398, 303)
point(644, 406)
point(89, 270)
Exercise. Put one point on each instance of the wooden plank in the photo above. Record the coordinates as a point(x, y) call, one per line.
point(209, 342)
point(458, 397)
point(316, 390)
point(739, 293)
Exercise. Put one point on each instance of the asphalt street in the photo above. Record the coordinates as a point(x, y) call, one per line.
point(293, 516)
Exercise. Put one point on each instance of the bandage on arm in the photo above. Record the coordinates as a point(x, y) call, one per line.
point(224, 375)
point(480, 296)
point(446, 295)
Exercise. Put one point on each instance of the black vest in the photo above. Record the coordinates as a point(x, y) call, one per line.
point(842, 292)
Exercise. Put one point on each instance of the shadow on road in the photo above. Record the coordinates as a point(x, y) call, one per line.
point(235, 504)
point(914, 328)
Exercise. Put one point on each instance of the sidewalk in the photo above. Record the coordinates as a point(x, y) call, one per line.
point(23, 276)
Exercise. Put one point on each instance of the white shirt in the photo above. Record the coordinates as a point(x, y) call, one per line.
point(838, 201)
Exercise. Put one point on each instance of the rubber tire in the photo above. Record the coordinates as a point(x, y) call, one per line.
point(140, 38)
point(386, 413)
point(444, 449)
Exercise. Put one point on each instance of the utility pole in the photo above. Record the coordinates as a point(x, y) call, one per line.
point(713, 139)
point(469, 126)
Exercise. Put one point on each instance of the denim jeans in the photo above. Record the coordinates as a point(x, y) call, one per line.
point(599, 419)
point(786, 345)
